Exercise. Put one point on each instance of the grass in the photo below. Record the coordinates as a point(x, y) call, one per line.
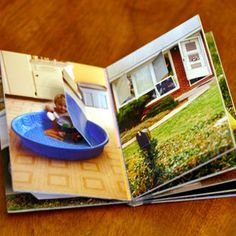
point(223, 163)
point(206, 106)
point(203, 108)
point(131, 133)
point(185, 140)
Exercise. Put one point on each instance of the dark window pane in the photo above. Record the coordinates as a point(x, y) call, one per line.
point(165, 86)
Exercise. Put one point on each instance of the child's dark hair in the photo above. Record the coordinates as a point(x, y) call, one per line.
point(59, 97)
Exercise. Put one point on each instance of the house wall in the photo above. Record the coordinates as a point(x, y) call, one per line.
point(180, 72)
point(184, 85)
point(181, 75)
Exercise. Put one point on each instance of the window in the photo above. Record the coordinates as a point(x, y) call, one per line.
point(165, 86)
point(124, 90)
point(160, 68)
point(94, 98)
point(142, 80)
point(155, 78)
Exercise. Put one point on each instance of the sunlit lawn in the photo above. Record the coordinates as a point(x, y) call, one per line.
point(188, 138)
point(203, 108)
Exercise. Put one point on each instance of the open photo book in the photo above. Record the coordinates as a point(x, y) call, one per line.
point(158, 125)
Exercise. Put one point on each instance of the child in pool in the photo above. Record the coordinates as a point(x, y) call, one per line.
point(60, 105)
point(55, 112)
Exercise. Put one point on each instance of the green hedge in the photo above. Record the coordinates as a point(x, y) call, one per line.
point(226, 95)
point(131, 114)
point(166, 104)
point(214, 54)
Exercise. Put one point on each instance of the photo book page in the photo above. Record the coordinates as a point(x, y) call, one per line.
point(174, 110)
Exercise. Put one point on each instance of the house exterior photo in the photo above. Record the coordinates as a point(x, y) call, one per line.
point(172, 64)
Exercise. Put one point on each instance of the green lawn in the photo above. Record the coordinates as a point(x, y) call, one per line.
point(206, 107)
point(184, 141)
point(131, 133)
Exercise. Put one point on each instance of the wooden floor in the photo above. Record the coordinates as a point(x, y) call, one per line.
point(99, 33)
point(102, 177)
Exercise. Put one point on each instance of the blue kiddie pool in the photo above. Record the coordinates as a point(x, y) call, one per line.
point(30, 128)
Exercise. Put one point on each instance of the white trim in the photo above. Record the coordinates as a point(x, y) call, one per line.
point(50, 62)
point(170, 76)
point(115, 95)
point(205, 52)
point(175, 77)
point(186, 37)
point(198, 80)
point(153, 48)
point(201, 51)
point(192, 37)
point(153, 77)
point(150, 58)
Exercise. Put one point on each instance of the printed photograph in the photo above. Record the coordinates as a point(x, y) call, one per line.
point(229, 176)
point(170, 109)
point(223, 164)
point(59, 144)
point(20, 202)
point(25, 202)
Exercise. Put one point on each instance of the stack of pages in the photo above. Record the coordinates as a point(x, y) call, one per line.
point(159, 125)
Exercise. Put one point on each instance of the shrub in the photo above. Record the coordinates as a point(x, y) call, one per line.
point(131, 114)
point(166, 104)
point(214, 54)
point(226, 95)
point(219, 72)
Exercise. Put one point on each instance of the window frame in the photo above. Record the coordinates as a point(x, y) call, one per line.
point(153, 77)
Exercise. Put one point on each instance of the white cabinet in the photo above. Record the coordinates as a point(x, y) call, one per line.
point(24, 77)
point(48, 80)
point(17, 74)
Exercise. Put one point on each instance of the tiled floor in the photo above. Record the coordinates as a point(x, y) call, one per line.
point(103, 176)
